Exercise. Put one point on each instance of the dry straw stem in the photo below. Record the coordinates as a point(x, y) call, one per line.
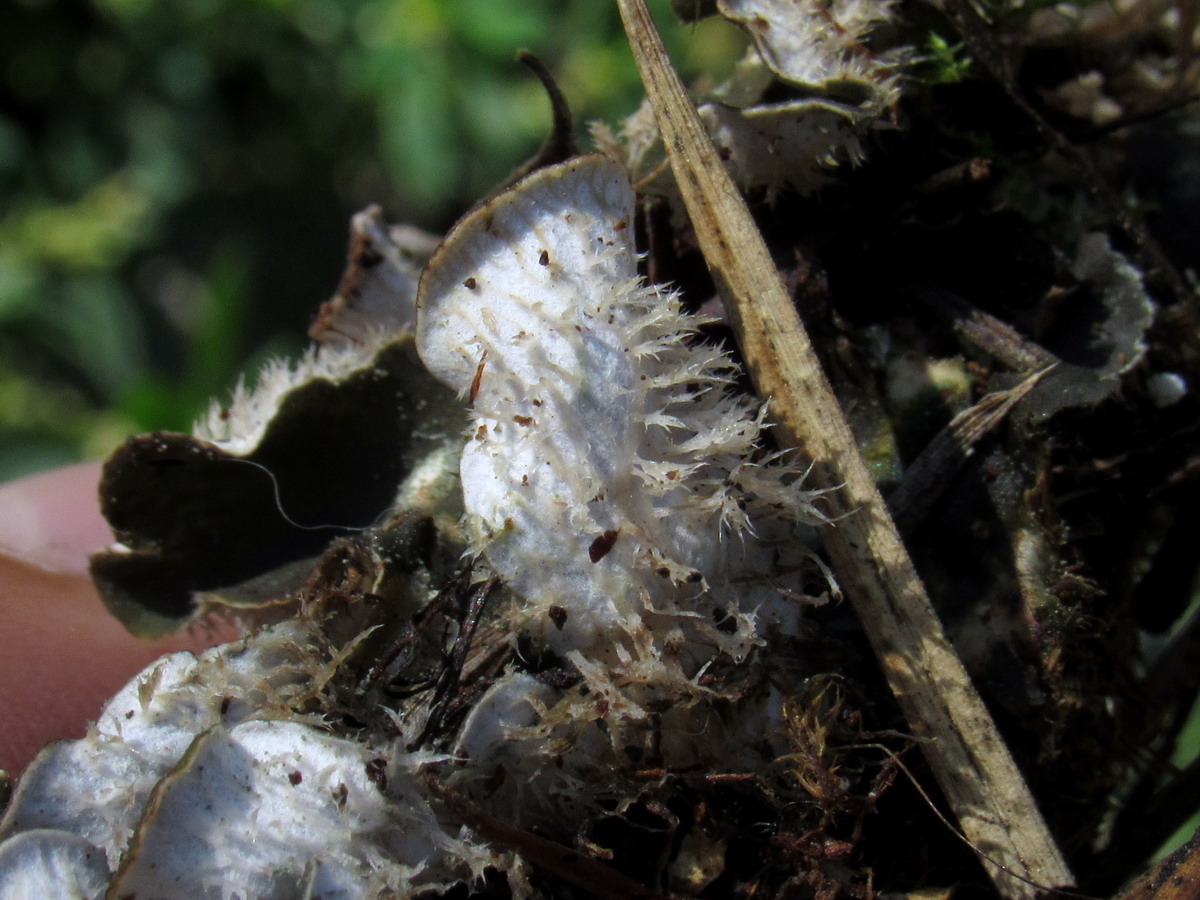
point(960, 740)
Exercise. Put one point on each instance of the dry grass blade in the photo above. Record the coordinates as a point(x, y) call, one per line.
point(968, 756)
point(927, 476)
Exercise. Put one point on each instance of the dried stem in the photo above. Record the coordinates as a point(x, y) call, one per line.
point(927, 476)
point(965, 751)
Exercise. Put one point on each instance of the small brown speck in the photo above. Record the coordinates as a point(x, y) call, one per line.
point(662, 572)
point(478, 379)
point(544, 259)
point(558, 616)
point(602, 544)
point(525, 421)
point(481, 433)
point(695, 576)
point(509, 523)
point(377, 771)
point(294, 778)
point(536, 402)
point(622, 225)
point(470, 284)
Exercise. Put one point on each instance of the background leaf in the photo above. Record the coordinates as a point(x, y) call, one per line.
point(176, 177)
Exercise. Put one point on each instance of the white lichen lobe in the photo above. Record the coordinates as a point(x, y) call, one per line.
point(201, 780)
point(611, 476)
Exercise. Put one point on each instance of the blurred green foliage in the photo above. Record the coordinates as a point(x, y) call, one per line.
point(176, 176)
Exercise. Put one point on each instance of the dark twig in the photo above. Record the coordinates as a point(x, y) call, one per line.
point(570, 865)
point(985, 331)
point(470, 603)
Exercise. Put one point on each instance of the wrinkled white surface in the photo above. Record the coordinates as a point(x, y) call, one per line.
point(53, 865)
point(267, 807)
point(198, 782)
point(97, 787)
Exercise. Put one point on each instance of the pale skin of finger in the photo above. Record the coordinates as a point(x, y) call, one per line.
point(62, 654)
